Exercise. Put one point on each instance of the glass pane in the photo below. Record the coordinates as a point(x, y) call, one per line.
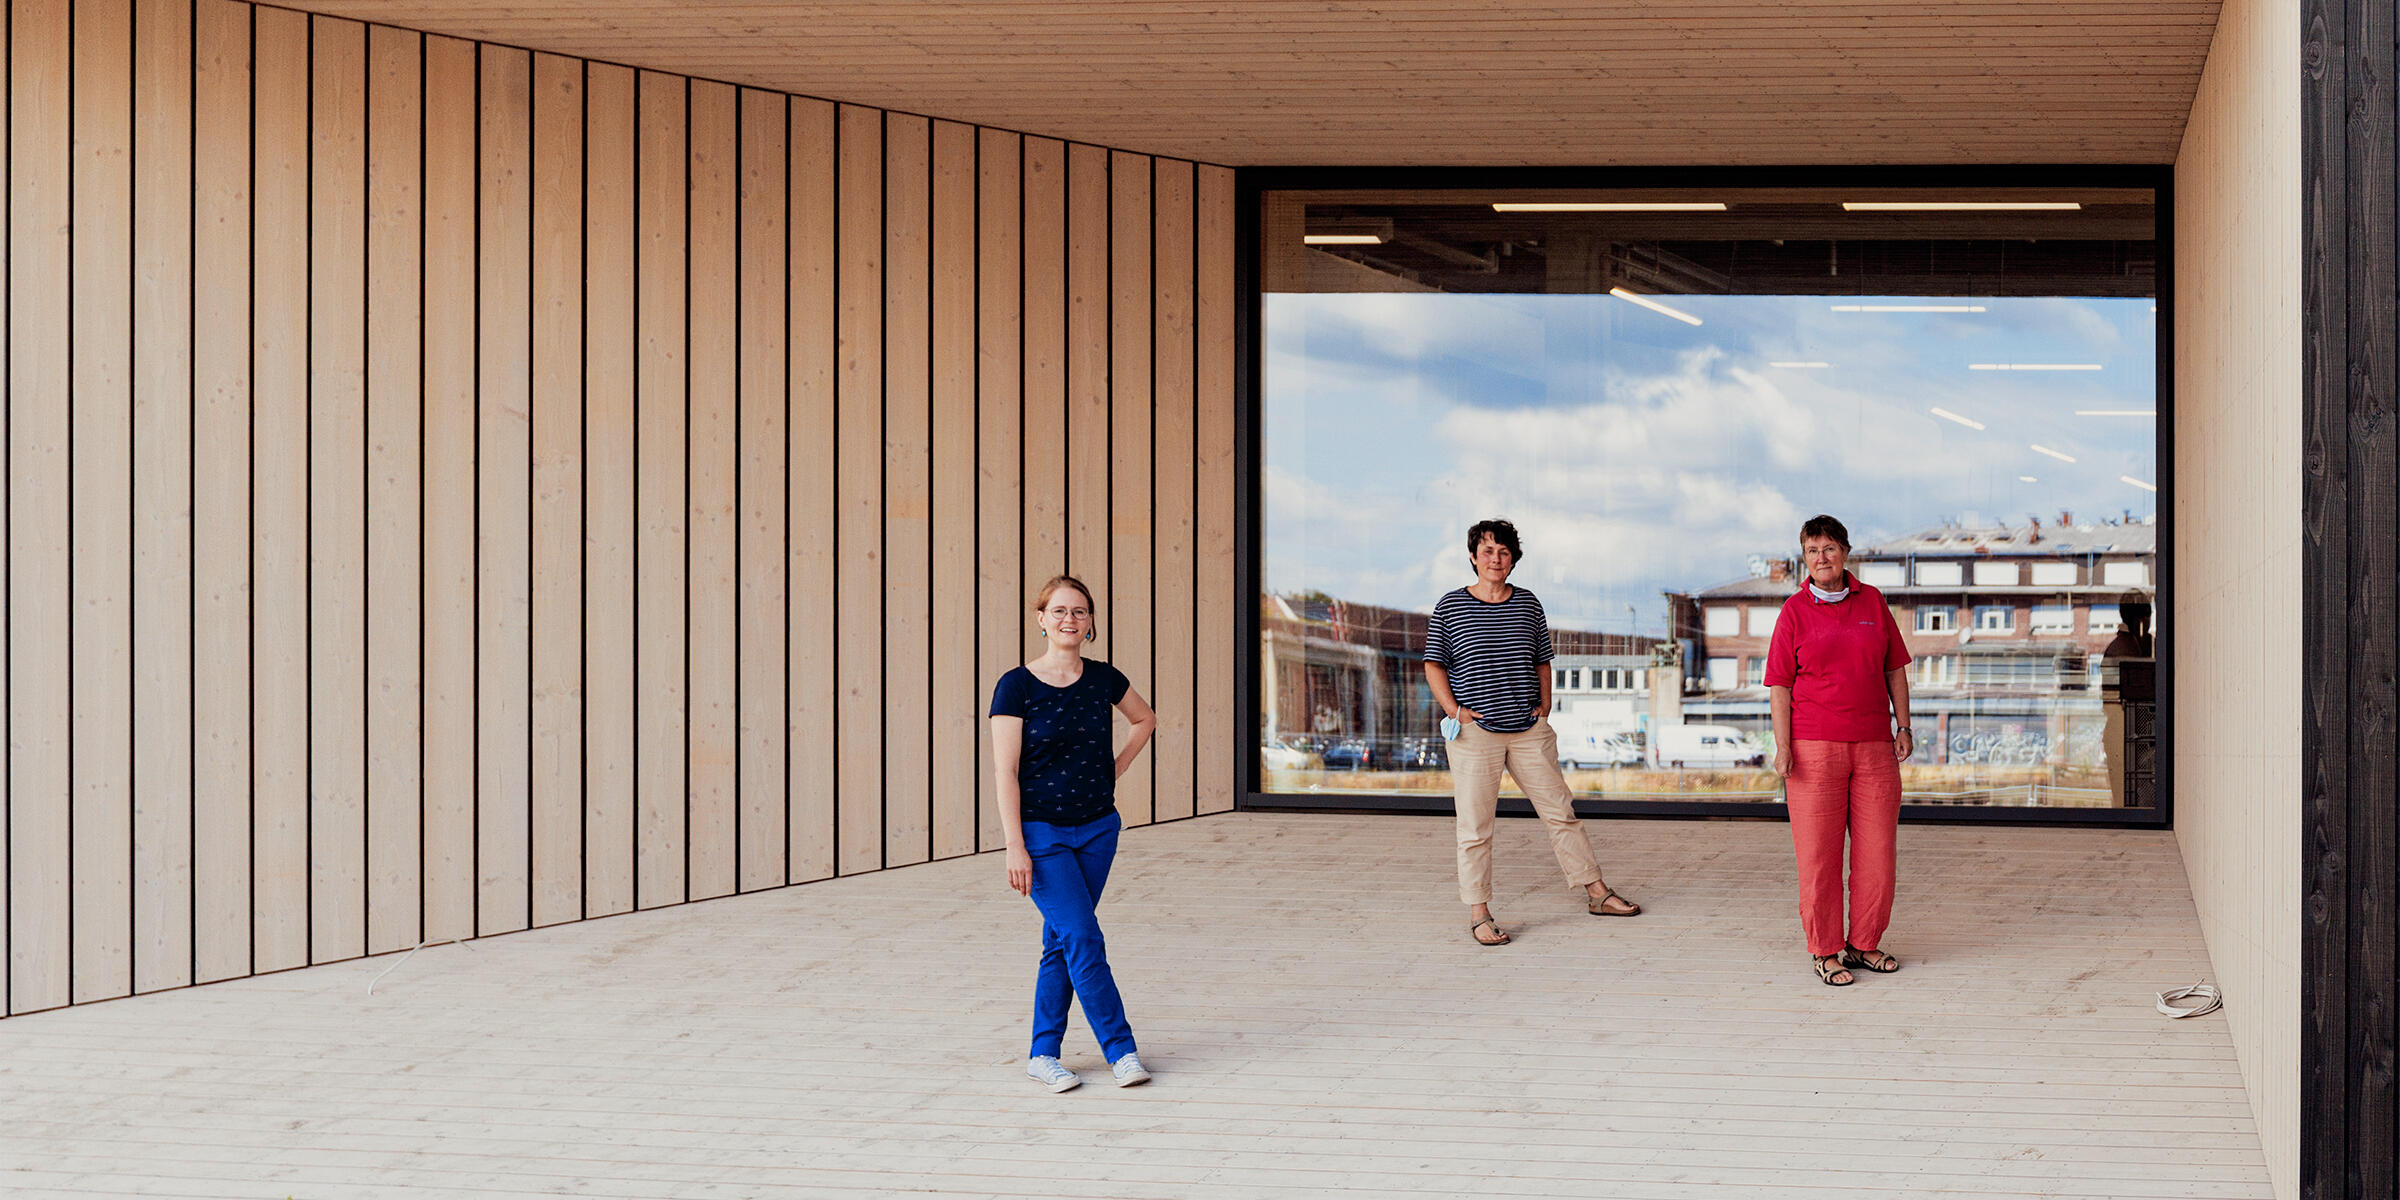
point(1657, 400)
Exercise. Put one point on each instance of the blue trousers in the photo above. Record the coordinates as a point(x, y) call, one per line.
point(1070, 866)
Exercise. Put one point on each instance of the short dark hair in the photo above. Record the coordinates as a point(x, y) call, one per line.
point(1501, 531)
point(1824, 526)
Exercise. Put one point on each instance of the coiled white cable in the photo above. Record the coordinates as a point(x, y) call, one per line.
point(2204, 994)
point(412, 953)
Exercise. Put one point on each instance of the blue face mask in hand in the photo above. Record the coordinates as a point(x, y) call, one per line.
point(1450, 729)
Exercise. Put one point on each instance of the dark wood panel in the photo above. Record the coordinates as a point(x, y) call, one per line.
point(2350, 557)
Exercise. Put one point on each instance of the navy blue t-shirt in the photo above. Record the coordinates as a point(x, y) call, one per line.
point(1068, 771)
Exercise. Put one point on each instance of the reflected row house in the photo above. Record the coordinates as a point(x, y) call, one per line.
point(2009, 628)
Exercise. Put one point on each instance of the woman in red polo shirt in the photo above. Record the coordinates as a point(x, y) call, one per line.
point(1837, 672)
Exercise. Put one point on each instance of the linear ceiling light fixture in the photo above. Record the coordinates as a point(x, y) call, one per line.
point(1909, 308)
point(1341, 239)
point(2039, 448)
point(2033, 366)
point(1961, 206)
point(1800, 366)
point(1947, 415)
point(1612, 206)
point(1654, 306)
point(2147, 487)
point(2027, 479)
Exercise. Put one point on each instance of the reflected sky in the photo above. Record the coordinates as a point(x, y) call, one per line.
point(1639, 454)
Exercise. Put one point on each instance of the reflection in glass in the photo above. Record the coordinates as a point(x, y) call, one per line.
point(1974, 394)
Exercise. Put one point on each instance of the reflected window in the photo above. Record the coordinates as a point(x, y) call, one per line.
point(2053, 618)
point(1657, 388)
point(2125, 574)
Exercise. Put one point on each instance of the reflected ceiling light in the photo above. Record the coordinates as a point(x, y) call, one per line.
point(1917, 308)
point(2027, 479)
point(1654, 306)
point(1629, 206)
point(2033, 366)
point(1341, 239)
point(2147, 487)
point(1961, 206)
point(1947, 415)
point(1799, 366)
point(2116, 412)
point(2038, 448)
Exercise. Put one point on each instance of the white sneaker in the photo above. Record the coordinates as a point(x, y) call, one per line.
point(1051, 1073)
point(1129, 1070)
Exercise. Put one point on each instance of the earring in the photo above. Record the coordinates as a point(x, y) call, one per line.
point(1091, 635)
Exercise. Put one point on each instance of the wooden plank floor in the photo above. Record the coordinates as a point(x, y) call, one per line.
point(1304, 989)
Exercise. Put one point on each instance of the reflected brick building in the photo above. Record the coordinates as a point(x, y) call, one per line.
point(2004, 623)
point(1338, 671)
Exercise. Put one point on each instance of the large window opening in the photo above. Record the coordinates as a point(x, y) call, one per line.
point(1658, 387)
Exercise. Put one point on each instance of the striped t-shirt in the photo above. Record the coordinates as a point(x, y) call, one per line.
point(1494, 654)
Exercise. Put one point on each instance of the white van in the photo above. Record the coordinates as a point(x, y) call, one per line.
point(1589, 748)
point(1704, 746)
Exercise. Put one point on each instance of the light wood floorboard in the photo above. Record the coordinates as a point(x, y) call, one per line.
point(1302, 985)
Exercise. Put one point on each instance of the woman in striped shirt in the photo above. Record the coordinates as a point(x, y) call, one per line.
point(1487, 655)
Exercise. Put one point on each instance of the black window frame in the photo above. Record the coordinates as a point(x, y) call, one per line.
point(1252, 183)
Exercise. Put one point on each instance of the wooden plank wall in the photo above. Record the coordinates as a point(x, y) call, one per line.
point(453, 489)
point(2348, 258)
point(2237, 394)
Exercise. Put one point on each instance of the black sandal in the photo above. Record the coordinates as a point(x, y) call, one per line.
point(1830, 965)
point(1502, 934)
point(1852, 956)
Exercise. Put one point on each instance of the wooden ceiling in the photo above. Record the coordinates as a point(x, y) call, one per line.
point(1441, 82)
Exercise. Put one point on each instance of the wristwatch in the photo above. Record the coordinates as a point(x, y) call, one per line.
point(1905, 729)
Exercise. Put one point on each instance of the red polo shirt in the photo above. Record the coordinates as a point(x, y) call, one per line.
point(1834, 657)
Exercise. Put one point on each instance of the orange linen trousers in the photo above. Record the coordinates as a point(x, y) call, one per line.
point(1837, 788)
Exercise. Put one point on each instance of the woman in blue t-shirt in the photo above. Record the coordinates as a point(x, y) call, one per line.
point(1052, 749)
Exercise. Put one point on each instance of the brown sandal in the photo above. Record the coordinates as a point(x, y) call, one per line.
point(1497, 932)
point(1873, 960)
point(1830, 965)
point(1594, 905)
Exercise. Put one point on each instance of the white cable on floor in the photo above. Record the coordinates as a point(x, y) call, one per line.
point(2204, 993)
point(412, 951)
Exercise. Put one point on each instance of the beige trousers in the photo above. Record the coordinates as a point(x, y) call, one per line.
point(1477, 757)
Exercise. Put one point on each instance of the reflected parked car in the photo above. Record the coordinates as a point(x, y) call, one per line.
point(1277, 755)
point(1424, 754)
point(1707, 746)
point(1352, 754)
point(1594, 750)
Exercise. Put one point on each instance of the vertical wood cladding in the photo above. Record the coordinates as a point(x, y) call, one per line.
point(452, 490)
point(2350, 499)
